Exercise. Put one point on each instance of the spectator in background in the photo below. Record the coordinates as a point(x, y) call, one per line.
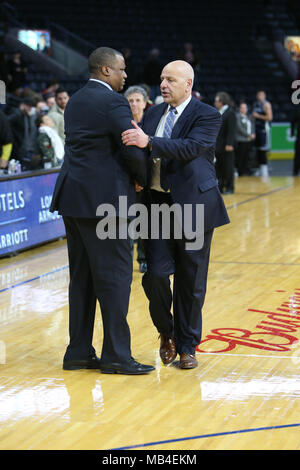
point(6, 140)
point(295, 130)
point(130, 68)
point(22, 123)
point(137, 98)
point(41, 108)
point(4, 69)
point(50, 99)
point(43, 45)
point(17, 70)
point(57, 111)
point(152, 71)
point(196, 94)
point(244, 138)
point(49, 143)
point(263, 115)
point(51, 87)
point(225, 144)
point(148, 91)
point(189, 54)
point(158, 100)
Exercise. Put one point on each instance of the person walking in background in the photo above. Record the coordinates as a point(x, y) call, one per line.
point(97, 170)
point(263, 115)
point(244, 139)
point(225, 144)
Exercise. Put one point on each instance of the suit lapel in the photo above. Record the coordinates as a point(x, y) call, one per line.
point(158, 112)
point(179, 125)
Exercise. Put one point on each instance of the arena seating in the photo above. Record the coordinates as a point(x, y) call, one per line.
point(234, 43)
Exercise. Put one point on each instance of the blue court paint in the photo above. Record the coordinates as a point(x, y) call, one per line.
point(203, 436)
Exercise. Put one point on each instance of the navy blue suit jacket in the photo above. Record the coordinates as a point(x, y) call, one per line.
point(188, 157)
point(97, 167)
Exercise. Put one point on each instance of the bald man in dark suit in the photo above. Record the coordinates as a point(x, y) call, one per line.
point(179, 136)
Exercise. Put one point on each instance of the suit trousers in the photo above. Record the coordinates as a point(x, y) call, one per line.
point(164, 258)
point(225, 170)
point(99, 270)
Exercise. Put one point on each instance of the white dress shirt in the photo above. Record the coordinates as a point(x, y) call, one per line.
point(155, 177)
point(223, 109)
point(103, 83)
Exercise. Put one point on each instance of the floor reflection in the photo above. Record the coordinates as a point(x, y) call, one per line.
point(240, 390)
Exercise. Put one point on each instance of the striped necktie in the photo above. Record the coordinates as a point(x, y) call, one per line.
point(169, 124)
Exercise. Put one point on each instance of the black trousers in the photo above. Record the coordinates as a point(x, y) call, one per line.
point(190, 267)
point(262, 158)
point(225, 170)
point(99, 270)
point(242, 152)
point(296, 166)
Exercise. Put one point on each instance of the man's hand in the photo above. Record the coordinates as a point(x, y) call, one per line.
point(135, 136)
point(138, 188)
point(228, 148)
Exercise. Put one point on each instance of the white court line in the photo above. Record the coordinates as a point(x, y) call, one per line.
point(249, 355)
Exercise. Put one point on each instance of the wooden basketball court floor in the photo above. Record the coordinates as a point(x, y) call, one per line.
point(244, 394)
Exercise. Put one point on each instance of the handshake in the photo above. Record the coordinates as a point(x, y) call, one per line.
point(135, 136)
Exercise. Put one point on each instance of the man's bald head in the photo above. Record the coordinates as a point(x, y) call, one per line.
point(177, 80)
point(181, 68)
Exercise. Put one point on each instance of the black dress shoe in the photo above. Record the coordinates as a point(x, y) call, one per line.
point(92, 363)
point(131, 367)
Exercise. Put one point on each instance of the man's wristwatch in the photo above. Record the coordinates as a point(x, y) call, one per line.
point(151, 137)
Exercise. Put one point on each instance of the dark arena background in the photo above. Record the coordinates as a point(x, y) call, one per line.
point(244, 394)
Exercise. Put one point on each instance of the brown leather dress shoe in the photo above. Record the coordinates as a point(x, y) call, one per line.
point(167, 349)
point(187, 361)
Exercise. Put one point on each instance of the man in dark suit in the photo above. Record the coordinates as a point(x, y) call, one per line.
point(97, 170)
point(295, 131)
point(225, 144)
point(22, 124)
point(180, 135)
